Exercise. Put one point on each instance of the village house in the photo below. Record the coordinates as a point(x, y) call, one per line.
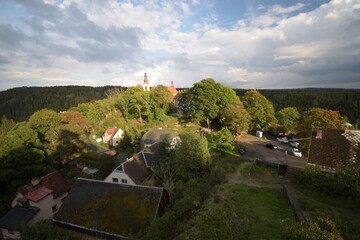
point(135, 171)
point(157, 135)
point(333, 148)
point(35, 201)
point(109, 210)
point(113, 136)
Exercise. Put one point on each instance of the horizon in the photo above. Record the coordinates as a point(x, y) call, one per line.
point(253, 44)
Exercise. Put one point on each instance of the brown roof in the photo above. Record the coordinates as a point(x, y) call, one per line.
point(136, 169)
point(52, 181)
point(334, 147)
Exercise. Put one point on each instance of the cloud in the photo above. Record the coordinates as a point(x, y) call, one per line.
point(114, 42)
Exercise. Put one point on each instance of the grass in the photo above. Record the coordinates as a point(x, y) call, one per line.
point(237, 211)
point(344, 213)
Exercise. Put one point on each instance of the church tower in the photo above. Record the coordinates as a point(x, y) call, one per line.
point(146, 84)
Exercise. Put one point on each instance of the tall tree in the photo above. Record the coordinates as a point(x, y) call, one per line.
point(164, 166)
point(260, 109)
point(317, 117)
point(205, 99)
point(192, 157)
point(6, 125)
point(235, 117)
point(288, 118)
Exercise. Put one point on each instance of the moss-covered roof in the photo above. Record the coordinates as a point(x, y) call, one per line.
point(114, 208)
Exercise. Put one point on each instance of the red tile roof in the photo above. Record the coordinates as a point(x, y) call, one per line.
point(173, 90)
point(111, 131)
point(38, 194)
point(52, 181)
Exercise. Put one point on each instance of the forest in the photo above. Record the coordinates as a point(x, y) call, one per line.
point(20, 103)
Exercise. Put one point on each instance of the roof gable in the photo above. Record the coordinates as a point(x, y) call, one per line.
point(110, 207)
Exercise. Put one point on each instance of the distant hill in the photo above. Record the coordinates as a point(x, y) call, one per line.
point(20, 103)
point(346, 101)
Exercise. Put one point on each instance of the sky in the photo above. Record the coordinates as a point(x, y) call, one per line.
point(249, 44)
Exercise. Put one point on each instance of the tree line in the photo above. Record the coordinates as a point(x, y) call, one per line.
point(20, 103)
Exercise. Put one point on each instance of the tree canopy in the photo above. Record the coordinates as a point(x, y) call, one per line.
point(287, 118)
point(235, 117)
point(317, 117)
point(260, 109)
point(203, 102)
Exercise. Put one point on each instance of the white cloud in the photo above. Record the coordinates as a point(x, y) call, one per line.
point(113, 43)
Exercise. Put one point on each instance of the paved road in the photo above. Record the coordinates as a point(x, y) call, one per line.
point(255, 148)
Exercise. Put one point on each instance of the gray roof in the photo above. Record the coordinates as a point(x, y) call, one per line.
point(334, 147)
point(157, 135)
point(137, 170)
point(18, 216)
point(109, 207)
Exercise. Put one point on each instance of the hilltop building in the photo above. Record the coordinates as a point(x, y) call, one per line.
point(146, 85)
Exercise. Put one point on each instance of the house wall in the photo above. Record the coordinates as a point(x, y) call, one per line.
point(14, 202)
point(45, 206)
point(119, 175)
point(7, 235)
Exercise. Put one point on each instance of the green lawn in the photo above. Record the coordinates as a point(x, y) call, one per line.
point(237, 211)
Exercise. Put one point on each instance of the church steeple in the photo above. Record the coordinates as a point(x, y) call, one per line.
point(146, 84)
point(145, 78)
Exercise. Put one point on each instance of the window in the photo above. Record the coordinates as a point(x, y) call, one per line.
point(115, 179)
point(54, 208)
point(10, 231)
point(123, 181)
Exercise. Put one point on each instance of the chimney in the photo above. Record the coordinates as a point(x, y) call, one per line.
point(318, 134)
point(35, 182)
point(172, 83)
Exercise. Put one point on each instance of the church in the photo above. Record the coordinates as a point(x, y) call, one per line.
point(146, 86)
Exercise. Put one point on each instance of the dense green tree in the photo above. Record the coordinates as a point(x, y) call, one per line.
point(6, 125)
point(235, 117)
point(223, 140)
point(161, 97)
point(22, 157)
point(288, 118)
point(164, 167)
point(192, 157)
point(317, 117)
point(44, 120)
point(260, 109)
point(204, 101)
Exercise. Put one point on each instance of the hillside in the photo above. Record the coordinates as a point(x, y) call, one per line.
point(20, 103)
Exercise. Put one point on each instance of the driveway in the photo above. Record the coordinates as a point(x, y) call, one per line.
point(255, 149)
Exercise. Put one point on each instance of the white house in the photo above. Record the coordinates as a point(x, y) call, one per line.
point(112, 136)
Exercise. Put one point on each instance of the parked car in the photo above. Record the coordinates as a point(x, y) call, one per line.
point(296, 152)
point(242, 150)
point(271, 146)
point(283, 140)
point(294, 144)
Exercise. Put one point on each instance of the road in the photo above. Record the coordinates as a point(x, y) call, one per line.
point(255, 149)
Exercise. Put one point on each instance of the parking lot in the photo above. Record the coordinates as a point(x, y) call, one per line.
point(255, 149)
